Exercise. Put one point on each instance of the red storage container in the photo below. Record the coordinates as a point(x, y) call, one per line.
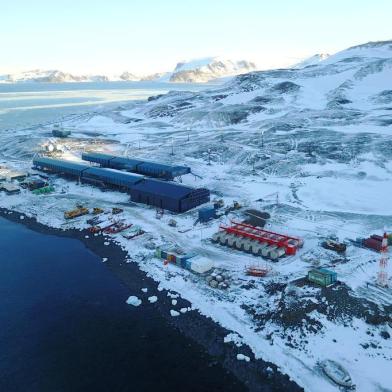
point(372, 244)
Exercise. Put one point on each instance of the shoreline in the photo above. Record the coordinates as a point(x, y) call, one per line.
point(255, 375)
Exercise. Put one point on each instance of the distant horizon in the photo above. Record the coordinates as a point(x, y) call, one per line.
point(97, 38)
point(22, 70)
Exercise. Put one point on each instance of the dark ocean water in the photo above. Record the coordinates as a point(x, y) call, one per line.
point(65, 326)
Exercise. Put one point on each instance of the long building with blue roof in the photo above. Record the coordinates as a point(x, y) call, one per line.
point(168, 195)
point(148, 168)
point(162, 194)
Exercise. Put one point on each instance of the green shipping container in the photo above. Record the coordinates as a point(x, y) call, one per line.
point(322, 276)
point(43, 191)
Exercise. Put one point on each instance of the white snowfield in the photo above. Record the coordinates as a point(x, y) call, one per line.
point(312, 147)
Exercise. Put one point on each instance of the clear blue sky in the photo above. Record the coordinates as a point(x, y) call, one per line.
point(144, 36)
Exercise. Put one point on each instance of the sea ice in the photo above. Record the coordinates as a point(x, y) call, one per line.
point(134, 301)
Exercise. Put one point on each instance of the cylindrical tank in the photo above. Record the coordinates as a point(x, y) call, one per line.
point(276, 253)
point(232, 240)
point(216, 236)
point(240, 243)
point(257, 248)
point(298, 243)
point(248, 245)
point(267, 250)
point(223, 238)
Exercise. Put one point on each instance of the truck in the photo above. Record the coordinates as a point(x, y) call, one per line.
point(79, 211)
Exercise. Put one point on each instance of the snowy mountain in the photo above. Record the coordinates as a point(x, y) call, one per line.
point(352, 87)
point(209, 68)
point(128, 76)
point(50, 76)
point(313, 60)
point(196, 71)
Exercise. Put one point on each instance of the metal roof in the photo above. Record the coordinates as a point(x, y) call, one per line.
point(163, 167)
point(141, 164)
point(113, 158)
point(115, 175)
point(323, 271)
point(326, 271)
point(162, 188)
point(98, 155)
point(70, 165)
point(126, 161)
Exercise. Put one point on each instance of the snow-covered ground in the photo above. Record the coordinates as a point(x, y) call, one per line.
point(310, 146)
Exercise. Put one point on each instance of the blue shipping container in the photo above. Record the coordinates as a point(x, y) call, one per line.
point(207, 213)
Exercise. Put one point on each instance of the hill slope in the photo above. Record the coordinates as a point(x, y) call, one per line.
point(352, 88)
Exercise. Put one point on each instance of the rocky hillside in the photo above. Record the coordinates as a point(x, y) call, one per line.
point(207, 69)
point(351, 89)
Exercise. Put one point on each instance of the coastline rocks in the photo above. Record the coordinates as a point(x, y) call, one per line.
point(242, 357)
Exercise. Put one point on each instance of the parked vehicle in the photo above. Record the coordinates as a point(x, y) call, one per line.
point(336, 246)
point(79, 211)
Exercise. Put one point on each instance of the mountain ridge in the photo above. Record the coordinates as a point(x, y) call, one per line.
point(193, 71)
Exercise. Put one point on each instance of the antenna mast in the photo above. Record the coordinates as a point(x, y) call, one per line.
point(382, 276)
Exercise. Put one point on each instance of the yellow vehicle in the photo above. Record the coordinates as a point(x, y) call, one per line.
point(236, 205)
point(75, 213)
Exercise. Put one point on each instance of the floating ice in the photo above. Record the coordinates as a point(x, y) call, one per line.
point(134, 301)
point(153, 299)
point(174, 313)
